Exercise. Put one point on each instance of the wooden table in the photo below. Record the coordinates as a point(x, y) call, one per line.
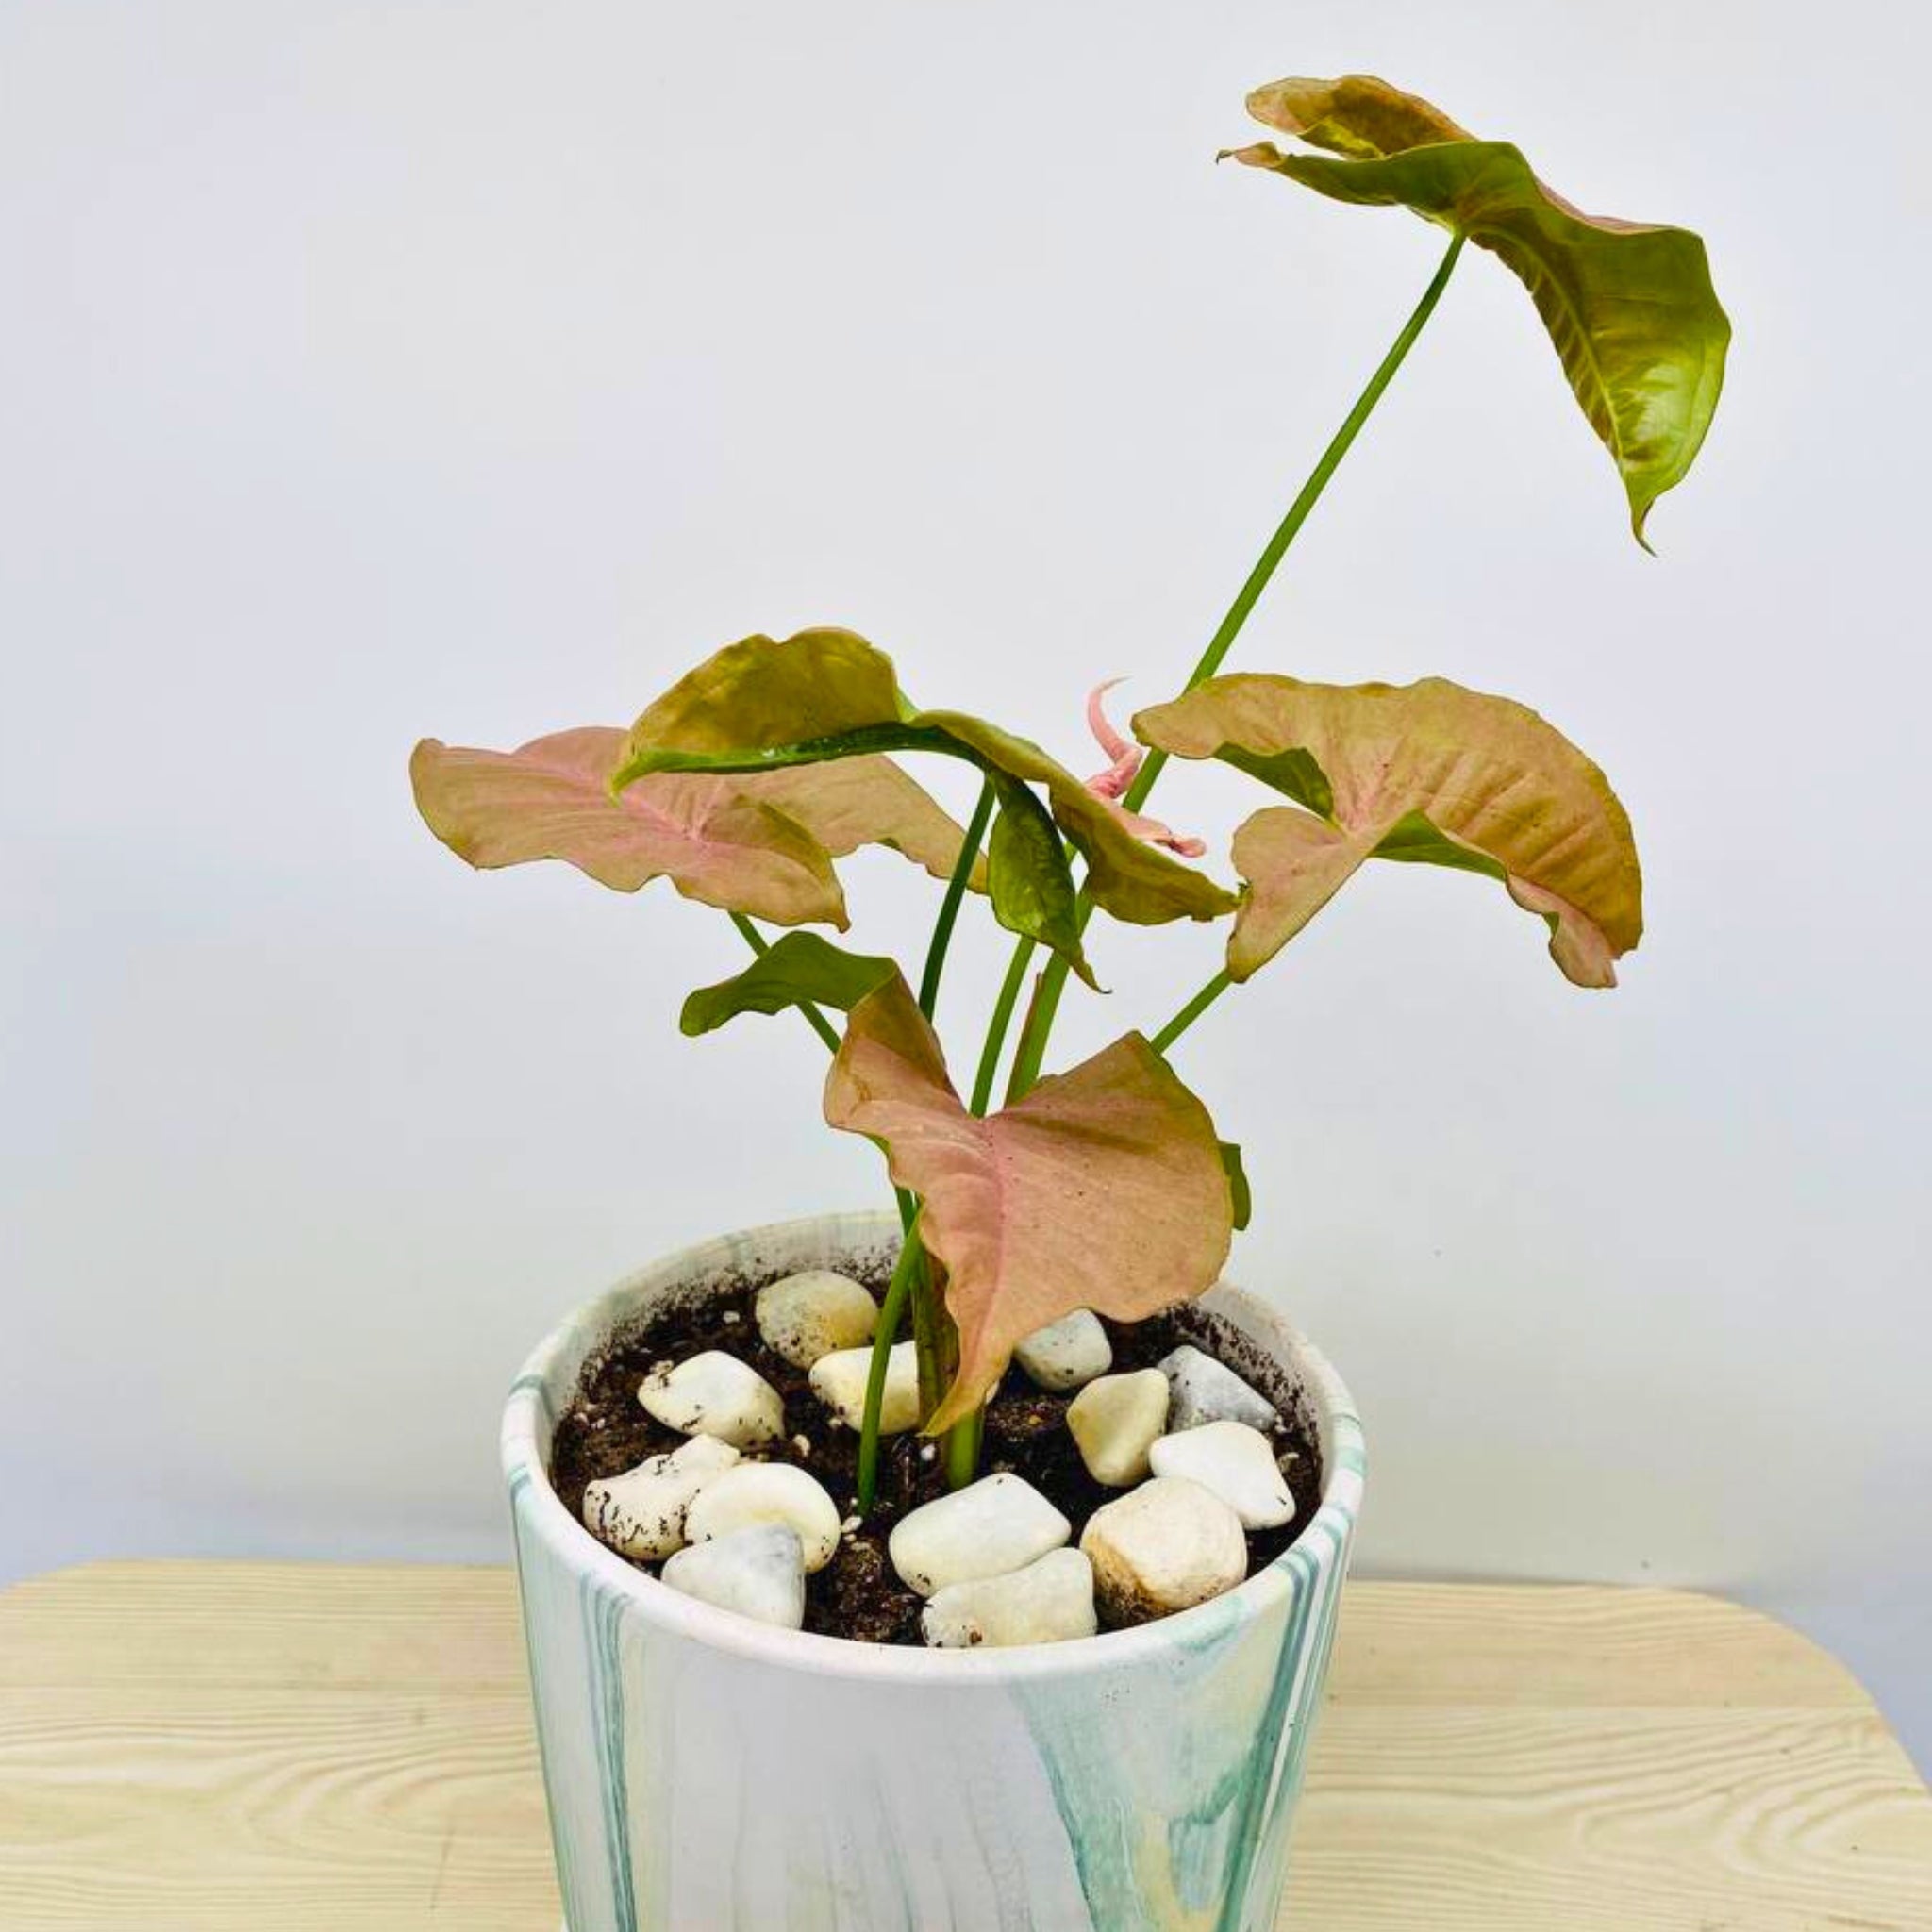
point(196, 1747)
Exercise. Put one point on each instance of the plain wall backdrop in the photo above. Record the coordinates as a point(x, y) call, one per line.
point(371, 372)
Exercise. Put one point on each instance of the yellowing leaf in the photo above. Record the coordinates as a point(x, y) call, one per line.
point(1132, 880)
point(824, 696)
point(760, 691)
point(1629, 306)
point(1426, 772)
point(1104, 1188)
point(758, 844)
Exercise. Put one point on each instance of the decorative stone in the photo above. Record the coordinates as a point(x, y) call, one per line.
point(642, 1512)
point(805, 1316)
point(1115, 1420)
point(760, 1572)
point(1164, 1547)
point(1236, 1463)
point(1067, 1353)
point(994, 1526)
point(756, 1492)
point(715, 1394)
point(1047, 1602)
point(839, 1381)
point(1205, 1391)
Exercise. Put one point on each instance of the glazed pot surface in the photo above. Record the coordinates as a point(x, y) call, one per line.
point(707, 1773)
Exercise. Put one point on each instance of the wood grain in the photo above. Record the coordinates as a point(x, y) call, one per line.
point(216, 1746)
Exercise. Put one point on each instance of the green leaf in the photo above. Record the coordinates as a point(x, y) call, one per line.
point(1241, 1197)
point(1629, 306)
point(1029, 881)
point(799, 969)
point(1104, 1188)
point(1428, 773)
point(763, 705)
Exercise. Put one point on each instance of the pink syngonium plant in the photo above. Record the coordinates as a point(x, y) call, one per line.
point(1105, 1186)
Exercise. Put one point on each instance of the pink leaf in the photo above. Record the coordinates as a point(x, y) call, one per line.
point(1426, 772)
point(550, 799)
point(1104, 1188)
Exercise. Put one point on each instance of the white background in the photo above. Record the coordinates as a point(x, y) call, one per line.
point(372, 372)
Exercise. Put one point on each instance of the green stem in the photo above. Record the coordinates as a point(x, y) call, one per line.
point(1191, 1012)
point(1032, 1049)
point(912, 1263)
point(997, 1028)
point(816, 1020)
point(962, 1450)
point(949, 906)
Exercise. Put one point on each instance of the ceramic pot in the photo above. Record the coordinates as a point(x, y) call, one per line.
point(707, 1773)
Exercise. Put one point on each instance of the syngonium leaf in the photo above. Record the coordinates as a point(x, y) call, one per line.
point(1629, 306)
point(799, 969)
point(762, 705)
point(1240, 1195)
point(1103, 1188)
point(761, 845)
point(1427, 772)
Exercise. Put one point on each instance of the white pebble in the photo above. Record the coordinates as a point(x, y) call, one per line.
point(1164, 1547)
point(997, 1524)
point(1115, 1420)
point(760, 1572)
point(715, 1394)
point(805, 1316)
point(642, 1512)
point(839, 1381)
point(755, 1493)
point(1047, 1602)
point(1234, 1461)
point(1205, 1391)
point(1067, 1353)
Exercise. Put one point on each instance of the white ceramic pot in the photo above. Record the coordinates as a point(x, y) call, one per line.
point(707, 1773)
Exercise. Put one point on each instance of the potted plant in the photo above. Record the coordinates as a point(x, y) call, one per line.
point(976, 1563)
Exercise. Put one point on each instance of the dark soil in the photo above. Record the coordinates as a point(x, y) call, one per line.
point(606, 1431)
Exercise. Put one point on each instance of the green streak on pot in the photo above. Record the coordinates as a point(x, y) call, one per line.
point(602, 1617)
point(1274, 1835)
point(1272, 1736)
point(538, 1387)
point(519, 1482)
point(1137, 1875)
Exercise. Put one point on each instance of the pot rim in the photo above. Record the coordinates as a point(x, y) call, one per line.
point(528, 1419)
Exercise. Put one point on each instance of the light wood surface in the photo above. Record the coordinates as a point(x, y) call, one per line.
point(206, 1747)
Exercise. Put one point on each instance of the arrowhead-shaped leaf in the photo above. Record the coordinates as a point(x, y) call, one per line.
point(1427, 772)
point(761, 845)
point(551, 799)
point(763, 705)
point(801, 968)
point(1629, 307)
point(1103, 1188)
